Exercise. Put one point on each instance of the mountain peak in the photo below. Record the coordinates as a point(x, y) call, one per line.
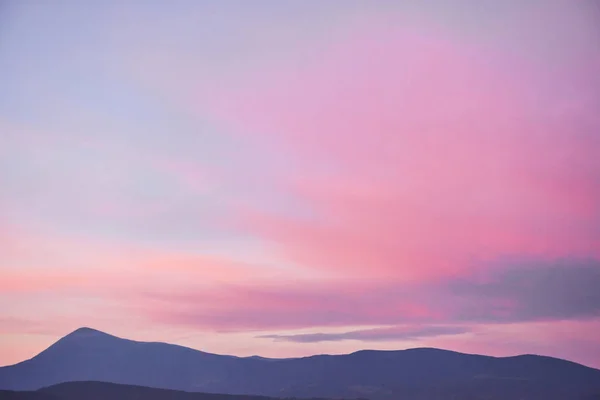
point(85, 334)
point(87, 354)
point(86, 331)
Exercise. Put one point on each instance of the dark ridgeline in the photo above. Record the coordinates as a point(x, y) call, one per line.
point(113, 391)
point(417, 374)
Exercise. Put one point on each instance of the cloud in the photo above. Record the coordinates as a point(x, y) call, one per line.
point(180, 289)
point(106, 184)
point(526, 290)
point(514, 291)
point(16, 325)
point(39, 262)
point(372, 335)
point(417, 153)
point(280, 305)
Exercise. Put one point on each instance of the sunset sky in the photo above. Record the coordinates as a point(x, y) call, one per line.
point(287, 178)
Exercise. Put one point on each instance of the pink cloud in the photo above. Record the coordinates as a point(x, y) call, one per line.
point(36, 261)
point(522, 291)
point(422, 155)
point(283, 305)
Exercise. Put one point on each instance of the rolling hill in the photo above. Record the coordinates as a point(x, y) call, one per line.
point(103, 391)
point(91, 355)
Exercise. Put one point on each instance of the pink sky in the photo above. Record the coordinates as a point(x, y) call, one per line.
point(294, 179)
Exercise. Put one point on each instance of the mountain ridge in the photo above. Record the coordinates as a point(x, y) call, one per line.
point(92, 390)
point(87, 331)
point(87, 354)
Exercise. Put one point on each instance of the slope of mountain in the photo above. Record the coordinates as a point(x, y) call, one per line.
point(13, 395)
point(114, 391)
point(90, 355)
point(103, 391)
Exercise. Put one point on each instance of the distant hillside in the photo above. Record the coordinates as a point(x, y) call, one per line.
point(417, 374)
point(113, 391)
point(12, 395)
point(103, 391)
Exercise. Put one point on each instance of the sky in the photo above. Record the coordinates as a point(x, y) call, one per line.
point(294, 178)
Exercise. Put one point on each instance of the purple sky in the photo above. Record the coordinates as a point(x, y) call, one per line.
point(290, 178)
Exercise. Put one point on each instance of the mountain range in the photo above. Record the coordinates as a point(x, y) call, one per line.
point(416, 374)
point(114, 391)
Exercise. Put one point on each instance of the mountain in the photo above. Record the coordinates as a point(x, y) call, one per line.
point(416, 374)
point(113, 391)
point(12, 395)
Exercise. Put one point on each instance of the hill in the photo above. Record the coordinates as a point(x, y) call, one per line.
point(90, 355)
point(103, 390)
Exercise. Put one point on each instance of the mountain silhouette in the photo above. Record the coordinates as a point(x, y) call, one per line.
point(425, 373)
point(113, 391)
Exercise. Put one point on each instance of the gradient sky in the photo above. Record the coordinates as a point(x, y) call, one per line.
point(286, 178)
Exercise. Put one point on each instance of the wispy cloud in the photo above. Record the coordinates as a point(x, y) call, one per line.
point(519, 291)
point(372, 335)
